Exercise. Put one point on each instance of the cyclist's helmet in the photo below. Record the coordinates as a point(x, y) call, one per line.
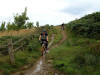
point(44, 31)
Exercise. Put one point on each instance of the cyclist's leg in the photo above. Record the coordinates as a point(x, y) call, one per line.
point(46, 45)
point(63, 27)
point(41, 42)
point(42, 49)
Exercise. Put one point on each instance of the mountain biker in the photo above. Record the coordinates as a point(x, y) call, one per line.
point(62, 26)
point(44, 37)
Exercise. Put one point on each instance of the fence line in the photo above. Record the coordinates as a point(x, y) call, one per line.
point(11, 49)
point(3, 46)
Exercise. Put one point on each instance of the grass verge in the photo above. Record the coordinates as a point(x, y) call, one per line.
point(74, 56)
point(22, 58)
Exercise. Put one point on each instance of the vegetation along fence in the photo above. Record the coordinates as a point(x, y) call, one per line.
point(11, 49)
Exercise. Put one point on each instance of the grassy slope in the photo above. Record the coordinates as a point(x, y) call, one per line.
point(73, 57)
point(56, 31)
point(17, 33)
point(57, 37)
point(22, 57)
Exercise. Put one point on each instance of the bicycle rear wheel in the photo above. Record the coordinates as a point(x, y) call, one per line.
point(43, 50)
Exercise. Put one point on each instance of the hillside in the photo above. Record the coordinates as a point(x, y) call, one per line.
point(80, 53)
point(87, 26)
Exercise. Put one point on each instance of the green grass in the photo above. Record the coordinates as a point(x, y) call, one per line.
point(30, 54)
point(26, 57)
point(74, 57)
point(22, 58)
point(57, 35)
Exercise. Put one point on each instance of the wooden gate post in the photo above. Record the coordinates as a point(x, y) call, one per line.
point(11, 51)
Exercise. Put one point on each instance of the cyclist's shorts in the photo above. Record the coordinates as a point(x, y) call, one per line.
point(45, 41)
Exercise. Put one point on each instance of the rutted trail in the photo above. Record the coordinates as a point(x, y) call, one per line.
point(41, 67)
point(62, 40)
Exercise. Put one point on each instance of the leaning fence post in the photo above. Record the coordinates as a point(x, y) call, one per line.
point(11, 51)
point(32, 37)
point(22, 46)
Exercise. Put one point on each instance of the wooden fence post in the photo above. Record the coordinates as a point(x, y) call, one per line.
point(22, 46)
point(11, 51)
point(32, 37)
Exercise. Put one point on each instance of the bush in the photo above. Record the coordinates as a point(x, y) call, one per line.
point(85, 59)
point(95, 48)
point(70, 71)
point(90, 59)
point(33, 45)
point(80, 60)
point(6, 72)
point(4, 41)
point(88, 26)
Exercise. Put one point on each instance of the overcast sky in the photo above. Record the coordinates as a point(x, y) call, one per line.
point(48, 11)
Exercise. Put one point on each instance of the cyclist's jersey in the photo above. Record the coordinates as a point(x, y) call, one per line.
point(44, 37)
point(62, 24)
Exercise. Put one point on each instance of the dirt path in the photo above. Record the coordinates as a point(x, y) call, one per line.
point(41, 67)
point(62, 40)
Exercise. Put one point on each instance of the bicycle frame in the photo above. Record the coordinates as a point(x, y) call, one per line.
point(43, 48)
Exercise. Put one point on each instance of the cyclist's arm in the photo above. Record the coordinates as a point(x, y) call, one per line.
point(40, 37)
point(47, 38)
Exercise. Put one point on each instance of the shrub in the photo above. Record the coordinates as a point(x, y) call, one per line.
point(85, 59)
point(33, 45)
point(95, 48)
point(88, 26)
point(90, 59)
point(80, 60)
point(6, 72)
point(70, 71)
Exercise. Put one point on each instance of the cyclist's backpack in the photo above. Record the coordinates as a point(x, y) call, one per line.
point(44, 37)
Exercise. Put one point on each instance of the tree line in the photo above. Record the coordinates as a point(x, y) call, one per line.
point(20, 22)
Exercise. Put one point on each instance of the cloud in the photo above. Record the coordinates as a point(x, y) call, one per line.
point(45, 11)
point(81, 7)
point(48, 11)
point(77, 9)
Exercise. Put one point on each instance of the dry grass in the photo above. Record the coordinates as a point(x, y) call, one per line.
point(17, 33)
point(58, 27)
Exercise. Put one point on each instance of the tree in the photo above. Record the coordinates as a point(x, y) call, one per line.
point(2, 28)
point(29, 25)
point(51, 26)
point(20, 20)
point(11, 26)
point(37, 24)
point(47, 27)
point(8, 26)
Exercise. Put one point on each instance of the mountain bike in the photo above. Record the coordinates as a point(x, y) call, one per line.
point(43, 49)
point(62, 27)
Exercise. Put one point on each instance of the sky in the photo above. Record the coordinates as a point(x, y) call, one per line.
point(53, 12)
